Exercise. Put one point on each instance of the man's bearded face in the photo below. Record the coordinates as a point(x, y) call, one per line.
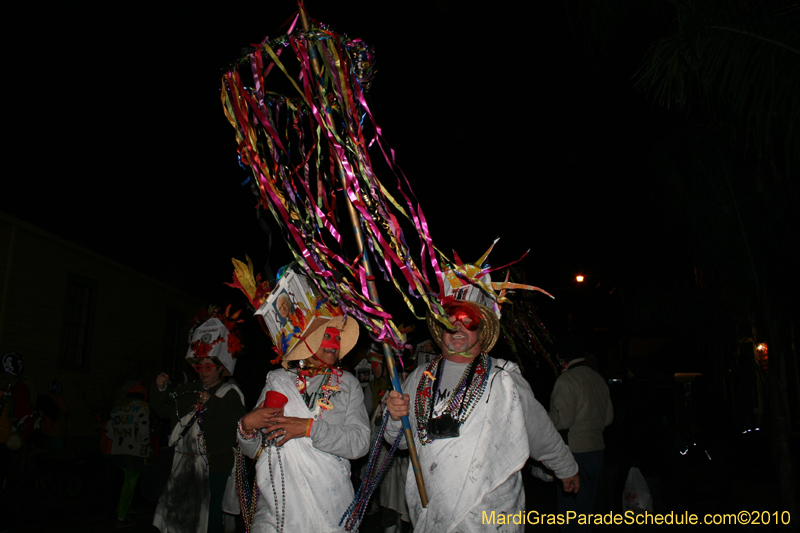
point(467, 324)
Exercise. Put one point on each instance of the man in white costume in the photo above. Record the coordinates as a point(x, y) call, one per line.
point(475, 421)
point(302, 450)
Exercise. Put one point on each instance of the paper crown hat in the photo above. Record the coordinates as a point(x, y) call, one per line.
point(295, 310)
point(216, 338)
point(472, 296)
point(471, 285)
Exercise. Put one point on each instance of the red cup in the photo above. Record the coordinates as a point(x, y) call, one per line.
point(275, 399)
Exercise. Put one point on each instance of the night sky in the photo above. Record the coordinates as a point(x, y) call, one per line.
point(502, 124)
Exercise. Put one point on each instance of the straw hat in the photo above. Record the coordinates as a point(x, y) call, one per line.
point(471, 285)
point(489, 329)
point(313, 338)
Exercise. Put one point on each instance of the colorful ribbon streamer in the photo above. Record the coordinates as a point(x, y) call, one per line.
point(306, 149)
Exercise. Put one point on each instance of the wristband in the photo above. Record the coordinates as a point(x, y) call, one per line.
point(308, 429)
point(246, 435)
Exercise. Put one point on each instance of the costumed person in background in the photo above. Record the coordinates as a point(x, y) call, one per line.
point(204, 414)
point(16, 423)
point(392, 494)
point(303, 473)
point(475, 420)
point(424, 353)
point(580, 404)
point(129, 432)
point(16, 420)
point(380, 382)
point(363, 372)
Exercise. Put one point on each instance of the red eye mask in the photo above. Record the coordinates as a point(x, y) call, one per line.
point(332, 343)
point(464, 314)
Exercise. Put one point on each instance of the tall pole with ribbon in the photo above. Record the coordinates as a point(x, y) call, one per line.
point(308, 150)
point(388, 355)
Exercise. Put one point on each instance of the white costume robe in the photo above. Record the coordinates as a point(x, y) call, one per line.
point(183, 506)
point(316, 471)
point(480, 469)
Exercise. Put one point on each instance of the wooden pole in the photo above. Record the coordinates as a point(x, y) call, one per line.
point(388, 356)
point(373, 294)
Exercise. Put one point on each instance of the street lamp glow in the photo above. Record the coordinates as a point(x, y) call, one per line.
point(579, 279)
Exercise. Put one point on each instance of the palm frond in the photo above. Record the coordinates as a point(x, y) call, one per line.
point(741, 62)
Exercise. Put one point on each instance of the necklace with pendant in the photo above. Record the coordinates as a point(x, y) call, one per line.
point(318, 401)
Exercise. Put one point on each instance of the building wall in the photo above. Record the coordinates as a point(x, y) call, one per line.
point(137, 325)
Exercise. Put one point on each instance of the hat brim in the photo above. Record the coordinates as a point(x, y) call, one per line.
point(313, 338)
point(490, 329)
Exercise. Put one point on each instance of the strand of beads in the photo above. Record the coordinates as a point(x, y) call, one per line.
point(423, 398)
point(247, 499)
point(174, 396)
point(466, 391)
point(475, 390)
point(355, 512)
point(201, 437)
point(279, 516)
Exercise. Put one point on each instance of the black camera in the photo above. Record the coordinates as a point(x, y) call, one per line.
point(443, 427)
